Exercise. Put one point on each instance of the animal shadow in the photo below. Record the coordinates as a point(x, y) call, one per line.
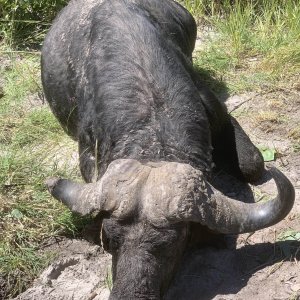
point(209, 80)
point(208, 272)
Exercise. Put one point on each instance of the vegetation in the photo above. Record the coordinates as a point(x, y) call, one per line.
point(24, 23)
point(32, 147)
point(248, 44)
point(252, 44)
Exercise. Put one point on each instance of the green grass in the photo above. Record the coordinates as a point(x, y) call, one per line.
point(32, 147)
point(290, 239)
point(256, 44)
point(21, 79)
point(202, 9)
point(24, 23)
point(109, 279)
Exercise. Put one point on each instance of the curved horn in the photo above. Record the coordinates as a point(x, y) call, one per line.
point(80, 198)
point(113, 193)
point(200, 202)
point(230, 216)
point(179, 193)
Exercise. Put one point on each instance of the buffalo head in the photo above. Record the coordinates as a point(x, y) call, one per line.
point(150, 207)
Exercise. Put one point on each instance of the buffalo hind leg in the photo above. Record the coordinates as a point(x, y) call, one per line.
point(235, 153)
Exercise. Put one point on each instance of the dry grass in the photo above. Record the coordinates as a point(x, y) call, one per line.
point(267, 120)
point(275, 104)
point(294, 133)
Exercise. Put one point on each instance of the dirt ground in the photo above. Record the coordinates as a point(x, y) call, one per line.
point(251, 266)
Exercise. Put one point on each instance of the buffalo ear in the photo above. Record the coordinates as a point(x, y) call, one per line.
point(92, 232)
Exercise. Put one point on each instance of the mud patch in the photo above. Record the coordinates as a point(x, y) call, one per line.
point(80, 272)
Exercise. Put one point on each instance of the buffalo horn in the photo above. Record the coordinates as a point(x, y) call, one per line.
point(80, 198)
point(113, 193)
point(227, 215)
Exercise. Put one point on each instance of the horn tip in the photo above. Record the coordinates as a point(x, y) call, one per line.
point(51, 183)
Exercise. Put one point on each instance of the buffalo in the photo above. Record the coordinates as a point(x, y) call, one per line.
point(118, 76)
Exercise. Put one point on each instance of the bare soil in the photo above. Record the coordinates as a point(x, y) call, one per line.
point(80, 271)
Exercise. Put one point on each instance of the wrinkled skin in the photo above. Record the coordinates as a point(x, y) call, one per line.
point(118, 76)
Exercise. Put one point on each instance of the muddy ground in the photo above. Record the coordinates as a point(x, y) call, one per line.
point(251, 266)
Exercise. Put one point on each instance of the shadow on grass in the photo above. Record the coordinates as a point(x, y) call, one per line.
point(209, 79)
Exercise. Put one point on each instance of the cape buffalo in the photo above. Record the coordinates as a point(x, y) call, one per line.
point(118, 76)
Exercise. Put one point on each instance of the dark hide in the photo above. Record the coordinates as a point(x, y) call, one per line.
point(144, 250)
point(118, 76)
